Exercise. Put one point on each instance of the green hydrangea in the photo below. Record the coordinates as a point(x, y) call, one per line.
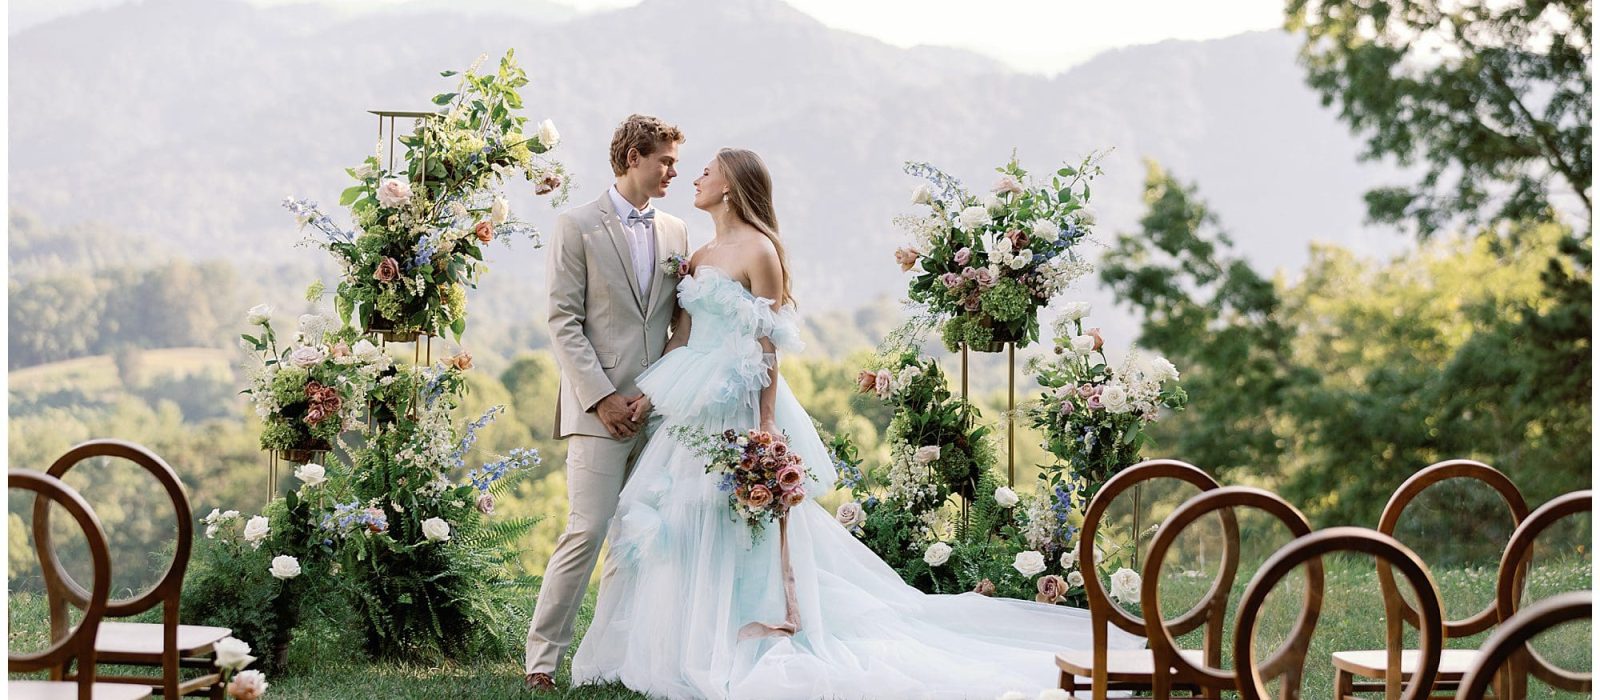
point(389, 304)
point(978, 335)
point(290, 385)
point(279, 434)
point(1006, 301)
point(455, 300)
point(953, 332)
point(370, 244)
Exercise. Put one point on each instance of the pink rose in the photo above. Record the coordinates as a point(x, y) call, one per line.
point(1087, 390)
point(907, 257)
point(963, 255)
point(1067, 408)
point(394, 192)
point(760, 496)
point(794, 497)
point(1098, 341)
point(1007, 185)
point(789, 477)
point(1095, 402)
point(969, 273)
point(1052, 589)
point(971, 303)
point(316, 414)
point(866, 381)
point(339, 349)
point(683, 268)
point(486, 503)
point(884, 379)
point(1019, 240)
point(984, 587)
point(388, 270)
point(984, 277)
point(484, 231)
point(950, 279)
point(780, 448)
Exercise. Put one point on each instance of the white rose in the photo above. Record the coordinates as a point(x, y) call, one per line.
point(1075, 311)
point(436, 530)
point(1029, 563)
point(499, 211)
point(232, 654)
point(1022, 259)
point(1007, 184)
point(307, 356)
point(394, 192)
point(974, 218)
point(1083, 344)
point(311, 474)
point(1125, 585)
point(364, 171)
point(548, 136)
point(1115, 398)
point(1162, 370)
point(938, 553)
point(993, 205)
point(1054, 694)
point(1006, 497)
point(922, 195)
point(850, 515)
point(1046, 230)
point(1075, 579)
point(285, 567)
point(1003, 246)
point(926, 454)
point(256, 530)
point(365, 351)
point(1069, 559)
point(259, 315)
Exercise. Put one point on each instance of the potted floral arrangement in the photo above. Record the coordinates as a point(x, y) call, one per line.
point(420, 230)
point(310, 391)
point(1094, 415)
point(988, 264)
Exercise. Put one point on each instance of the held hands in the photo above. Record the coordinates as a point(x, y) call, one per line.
point(617, 412)
point(640, 411)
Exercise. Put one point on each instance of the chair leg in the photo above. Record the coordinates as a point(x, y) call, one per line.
point(1343, 685)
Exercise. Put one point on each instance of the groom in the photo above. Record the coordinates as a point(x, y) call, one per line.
point(610, 307)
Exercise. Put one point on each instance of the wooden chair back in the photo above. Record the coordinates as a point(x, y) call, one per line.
point(1513, 635)
point(1404, 496)
point(68, 644)
point(1512, 581)
point(1388, 551)
point(1102, 610)
point(1289, 660)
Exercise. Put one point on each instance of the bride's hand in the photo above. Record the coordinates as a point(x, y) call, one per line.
point(769, 425)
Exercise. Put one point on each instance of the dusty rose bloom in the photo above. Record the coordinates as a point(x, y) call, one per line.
point(484, 231)
point(985, 587)
point(388, 270)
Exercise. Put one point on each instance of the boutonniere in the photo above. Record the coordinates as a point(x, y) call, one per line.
point(675, 266)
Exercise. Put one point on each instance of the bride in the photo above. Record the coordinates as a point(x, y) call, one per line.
point(687, 576)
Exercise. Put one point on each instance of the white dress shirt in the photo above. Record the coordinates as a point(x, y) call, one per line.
point(641, 240)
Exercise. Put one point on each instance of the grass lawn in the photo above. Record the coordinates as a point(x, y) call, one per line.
point(325, 663)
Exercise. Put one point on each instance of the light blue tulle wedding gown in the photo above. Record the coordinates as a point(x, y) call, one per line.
point(688, 576)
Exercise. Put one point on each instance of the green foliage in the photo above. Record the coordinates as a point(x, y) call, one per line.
point(1493, 99)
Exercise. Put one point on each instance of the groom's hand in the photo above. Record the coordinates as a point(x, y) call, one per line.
point(616, 414)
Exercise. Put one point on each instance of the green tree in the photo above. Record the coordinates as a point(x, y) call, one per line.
point(1492, 99)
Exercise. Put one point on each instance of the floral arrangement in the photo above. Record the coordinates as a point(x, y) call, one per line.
point(675, 266)
point(762, 478)
point(232, 656)
point(310, 391)
point(987, 265)
point(420, 230)
point(1094, 415)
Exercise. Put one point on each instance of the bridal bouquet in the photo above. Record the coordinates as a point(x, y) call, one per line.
point(988, 264)
point(762, 478)
point(1093, 415)
point(420, 230)
point(312, 390)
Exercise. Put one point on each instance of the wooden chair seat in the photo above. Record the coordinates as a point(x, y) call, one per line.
point(68, 690)
point(121, 642)
point(1122, 666)
point(1453, 663)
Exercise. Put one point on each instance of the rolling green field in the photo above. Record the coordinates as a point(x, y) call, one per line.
point(324, 663)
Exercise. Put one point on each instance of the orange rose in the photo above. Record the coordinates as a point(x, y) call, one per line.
point(794, 497)
point(484, 231)
point(866, 381)
point(461, 361)
point(760, 497)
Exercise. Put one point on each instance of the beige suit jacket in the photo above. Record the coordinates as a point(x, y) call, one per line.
point(603, 330)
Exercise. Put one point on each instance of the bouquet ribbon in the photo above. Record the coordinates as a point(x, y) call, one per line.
point(791, 604)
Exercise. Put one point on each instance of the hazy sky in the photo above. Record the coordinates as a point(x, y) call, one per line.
point(1036, 36)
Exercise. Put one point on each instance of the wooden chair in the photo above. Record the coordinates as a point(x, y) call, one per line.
point(1135, 669)
point(1289, 661)
point(1509, 587)
point(1421, 666)
point(78, 643)
point(166, 645)
point(1512, 638)
point(1350, 665)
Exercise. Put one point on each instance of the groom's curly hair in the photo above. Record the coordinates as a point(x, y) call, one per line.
point(643, 133)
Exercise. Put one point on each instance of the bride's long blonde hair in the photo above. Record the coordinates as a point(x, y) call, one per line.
point(750, 197)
